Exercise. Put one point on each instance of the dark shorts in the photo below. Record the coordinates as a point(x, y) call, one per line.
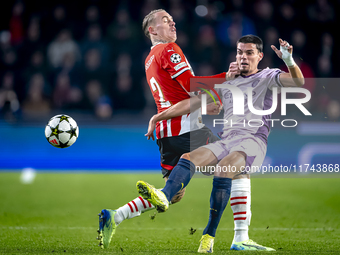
point(172, 148)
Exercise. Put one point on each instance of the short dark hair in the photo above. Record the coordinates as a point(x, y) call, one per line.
point(252, 39)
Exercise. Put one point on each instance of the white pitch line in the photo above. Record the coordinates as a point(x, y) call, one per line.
point(231, 229)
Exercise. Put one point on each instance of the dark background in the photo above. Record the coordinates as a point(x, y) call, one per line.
point(86, 58)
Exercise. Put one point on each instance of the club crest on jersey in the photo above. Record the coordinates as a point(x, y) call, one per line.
point(175, 58)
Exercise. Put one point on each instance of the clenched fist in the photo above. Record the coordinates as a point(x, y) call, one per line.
point(233, 71)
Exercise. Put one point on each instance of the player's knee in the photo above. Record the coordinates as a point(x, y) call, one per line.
point(178, 196)
point(186, 156)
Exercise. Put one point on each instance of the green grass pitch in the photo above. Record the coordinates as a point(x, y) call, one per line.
point(57, 214)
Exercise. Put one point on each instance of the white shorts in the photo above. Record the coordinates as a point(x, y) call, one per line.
point(254, 148)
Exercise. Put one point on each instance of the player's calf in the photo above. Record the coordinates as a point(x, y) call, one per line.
point(178, 197)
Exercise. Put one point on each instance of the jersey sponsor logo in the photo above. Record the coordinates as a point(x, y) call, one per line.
point(171, 49)
point(175, 58)
point(149, 62)
point(180, 65)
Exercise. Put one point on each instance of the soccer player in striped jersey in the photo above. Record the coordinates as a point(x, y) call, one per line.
point(168, 74)
point(241, 147)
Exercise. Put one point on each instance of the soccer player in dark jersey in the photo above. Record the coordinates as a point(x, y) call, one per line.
point(168, 74)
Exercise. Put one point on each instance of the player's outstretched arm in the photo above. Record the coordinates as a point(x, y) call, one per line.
point(181, 108)
point(295, 77)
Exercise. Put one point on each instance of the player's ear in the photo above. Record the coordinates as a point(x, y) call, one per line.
point(261, 56)
point(151, 30)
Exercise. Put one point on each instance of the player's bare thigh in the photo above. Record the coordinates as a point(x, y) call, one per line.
point(236, 160)
point(205, 157)
point(241, 176)
point(201, 157)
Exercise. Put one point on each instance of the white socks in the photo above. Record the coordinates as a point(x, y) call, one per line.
point(240, 204)
point(132, 209)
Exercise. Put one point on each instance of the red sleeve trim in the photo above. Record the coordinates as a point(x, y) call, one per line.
point(194, 83)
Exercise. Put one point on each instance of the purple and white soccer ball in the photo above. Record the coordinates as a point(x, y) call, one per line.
point(61, 131)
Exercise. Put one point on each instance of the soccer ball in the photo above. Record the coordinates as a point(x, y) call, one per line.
point(61, 131)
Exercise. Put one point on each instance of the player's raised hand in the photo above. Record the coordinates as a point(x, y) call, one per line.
point(233, 71)
point(151, 128)
point(214, 109)
point(285, 52)
point(284, 45)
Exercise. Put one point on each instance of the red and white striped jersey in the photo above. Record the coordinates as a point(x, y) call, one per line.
point(164, 67)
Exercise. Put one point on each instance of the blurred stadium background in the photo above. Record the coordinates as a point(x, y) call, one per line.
point(86, 59)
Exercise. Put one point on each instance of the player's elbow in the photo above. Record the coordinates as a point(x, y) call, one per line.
point(299, 82)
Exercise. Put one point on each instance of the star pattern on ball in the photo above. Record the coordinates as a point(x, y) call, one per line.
point(63, 117)
point(55, 131)
point(175, 58)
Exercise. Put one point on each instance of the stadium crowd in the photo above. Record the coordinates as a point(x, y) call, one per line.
point(88, 56)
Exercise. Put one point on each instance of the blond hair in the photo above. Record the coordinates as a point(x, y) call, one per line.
point(148, 19)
